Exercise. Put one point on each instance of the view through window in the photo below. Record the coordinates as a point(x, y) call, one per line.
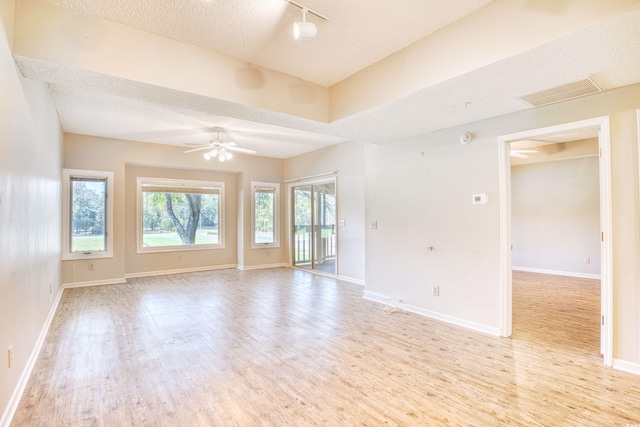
point(179, 213)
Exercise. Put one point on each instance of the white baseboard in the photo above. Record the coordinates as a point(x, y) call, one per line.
point(374, 296)
point(262, 266)
point(351, 280)
point(94, 283)
point(558, 272)
point(179, 270)
point(10, 410)
point(623, 365)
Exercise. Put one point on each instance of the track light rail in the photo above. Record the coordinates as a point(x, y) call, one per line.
point(303, 7)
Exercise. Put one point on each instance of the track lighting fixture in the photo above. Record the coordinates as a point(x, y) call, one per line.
point(303, 30)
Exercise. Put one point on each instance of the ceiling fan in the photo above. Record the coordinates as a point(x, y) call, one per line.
point(522, 154)
point(219, 148)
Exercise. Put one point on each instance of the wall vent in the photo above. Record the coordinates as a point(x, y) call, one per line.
point(563, 92)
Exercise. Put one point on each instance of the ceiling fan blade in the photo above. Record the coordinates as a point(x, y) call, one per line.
point(194, 143)
point(520, 156)
point(525, 151)
point(241, 150)
point(198, 149)
point(226, 144)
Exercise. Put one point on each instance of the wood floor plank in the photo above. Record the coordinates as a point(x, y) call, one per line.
point(283, 347)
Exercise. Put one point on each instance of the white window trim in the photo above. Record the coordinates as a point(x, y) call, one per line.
point(179, 182)
point(276, 215)
point(66, 214)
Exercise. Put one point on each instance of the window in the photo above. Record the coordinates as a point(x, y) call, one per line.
point(87, 214)
point(265, 216)
point(178, 214)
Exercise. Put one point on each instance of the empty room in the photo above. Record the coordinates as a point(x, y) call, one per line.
point(279, 212)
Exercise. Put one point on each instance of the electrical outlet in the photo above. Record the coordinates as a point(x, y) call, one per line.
point(436, 291)
point(91, 266)
point(10, 356)
point(587, 260)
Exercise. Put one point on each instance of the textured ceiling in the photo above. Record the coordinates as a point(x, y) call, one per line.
point(97, 104)
point(356, 35)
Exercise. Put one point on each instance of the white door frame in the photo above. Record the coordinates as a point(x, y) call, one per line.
point(606, 226)
point(314, 180)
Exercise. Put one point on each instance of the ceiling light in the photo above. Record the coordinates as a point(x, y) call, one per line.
point(304, 30)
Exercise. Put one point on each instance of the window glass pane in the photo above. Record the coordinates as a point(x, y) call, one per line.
point(178, 219)
point(88, 222)
point(265, 216)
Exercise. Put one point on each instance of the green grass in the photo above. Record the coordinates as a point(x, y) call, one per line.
point(150, 239)
point(155, 239)
point(87, 243)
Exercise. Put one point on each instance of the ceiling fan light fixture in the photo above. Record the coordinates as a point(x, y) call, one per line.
point(304, 30)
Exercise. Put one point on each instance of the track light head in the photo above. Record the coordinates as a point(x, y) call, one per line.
point(304, 30)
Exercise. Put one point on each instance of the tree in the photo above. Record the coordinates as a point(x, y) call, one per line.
point(264, 209)
point(186, 232)
point(88, 207)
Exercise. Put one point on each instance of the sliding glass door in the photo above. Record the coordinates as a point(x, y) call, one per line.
point(314, 226)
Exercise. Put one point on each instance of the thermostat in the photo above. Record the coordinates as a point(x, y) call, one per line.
point(480, 199)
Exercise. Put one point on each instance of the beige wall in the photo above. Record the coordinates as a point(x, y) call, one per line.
point(347, 159)
point(419, 190)
point(143, 263)
point(30, 206)
point(473, 42)
point(55, 34)
point(555, 216)
point(128, 159)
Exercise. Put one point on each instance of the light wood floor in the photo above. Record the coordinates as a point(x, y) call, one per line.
point(283, 347)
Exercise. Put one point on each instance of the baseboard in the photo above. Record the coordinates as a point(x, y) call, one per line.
point(10, 410)
point(94, 283)
point(376, 297)
point(558, 272)
point(179, 271)
point(351, 280)
point(261, 266)
point(623, 365)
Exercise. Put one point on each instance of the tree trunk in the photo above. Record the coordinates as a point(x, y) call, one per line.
point(195, 205)
point(187, 234)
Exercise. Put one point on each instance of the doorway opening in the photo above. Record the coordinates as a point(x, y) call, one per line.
point(600, 127)
point(313, 237)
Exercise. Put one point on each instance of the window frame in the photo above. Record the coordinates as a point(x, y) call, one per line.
point(174, 182)
point(276, 215)
point(67, 175)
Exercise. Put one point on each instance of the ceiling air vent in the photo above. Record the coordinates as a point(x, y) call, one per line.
point(563, 92)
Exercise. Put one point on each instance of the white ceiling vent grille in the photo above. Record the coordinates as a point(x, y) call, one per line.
point(563, 92)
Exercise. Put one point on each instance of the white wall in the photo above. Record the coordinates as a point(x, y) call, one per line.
point(30, 223)
point(347, 159)
point(555, 211)
point(419, 191)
